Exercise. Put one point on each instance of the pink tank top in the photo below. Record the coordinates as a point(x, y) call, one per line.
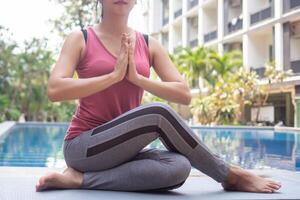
point(111, 102)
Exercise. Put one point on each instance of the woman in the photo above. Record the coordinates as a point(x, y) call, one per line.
point(104, 144)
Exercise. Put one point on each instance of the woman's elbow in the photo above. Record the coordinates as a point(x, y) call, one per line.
point(51, 92)
point(188, 99)
point(51, 95)
point(188, 96)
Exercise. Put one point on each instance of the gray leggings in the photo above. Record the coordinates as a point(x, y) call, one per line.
point(113, 156)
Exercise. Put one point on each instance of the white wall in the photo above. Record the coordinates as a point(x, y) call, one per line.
point(155, 16)
point(210, 20)
point(177, 5)
point(257, 5)
point(295, 49)
point(146, 22)
point(259, 50)
point(234, 12)
point(177, 35)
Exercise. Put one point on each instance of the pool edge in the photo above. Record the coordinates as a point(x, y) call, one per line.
point(5, 126)
point(272, 128)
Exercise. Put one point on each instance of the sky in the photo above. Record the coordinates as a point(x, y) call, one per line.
point(26, 19)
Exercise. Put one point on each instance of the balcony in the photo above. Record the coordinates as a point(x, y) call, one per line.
point(238, 46)
point(210, 36)
point(209, 19)
point(233, 16)
point(261, 15)
point(192, 28)
point(289, 5)
point(261, 51)
point(294, 3)
point(177, 13)
point(193, 43)
point(192, 3)
point(295, 66)
point(235, 25)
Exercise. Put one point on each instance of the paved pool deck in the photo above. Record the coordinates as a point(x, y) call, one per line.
point(18, 183)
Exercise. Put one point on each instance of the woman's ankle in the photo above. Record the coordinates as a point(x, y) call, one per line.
point(232, 176)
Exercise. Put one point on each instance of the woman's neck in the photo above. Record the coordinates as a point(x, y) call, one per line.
point(114, 25)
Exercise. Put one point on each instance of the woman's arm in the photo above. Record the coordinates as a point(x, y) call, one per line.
point(61, 85)
point(173, 86)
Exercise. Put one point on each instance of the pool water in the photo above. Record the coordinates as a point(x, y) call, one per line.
point(40, 145)
point(35, 145)
point(254, 148)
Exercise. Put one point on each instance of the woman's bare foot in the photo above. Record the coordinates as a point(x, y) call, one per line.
point(69, 179)
point(242, 180)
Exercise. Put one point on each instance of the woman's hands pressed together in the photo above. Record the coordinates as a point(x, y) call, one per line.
point(171, 87)
point(132, 74)
point(125, 65)
point(122, 60)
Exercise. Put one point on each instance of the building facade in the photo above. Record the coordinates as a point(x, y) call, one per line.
point(264, 30)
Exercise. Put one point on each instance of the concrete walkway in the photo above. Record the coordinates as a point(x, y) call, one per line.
point(18, 183)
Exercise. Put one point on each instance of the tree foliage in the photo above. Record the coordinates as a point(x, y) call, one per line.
point(25, 70)
point(229, 87)
point(23, 85)
point(77, 14)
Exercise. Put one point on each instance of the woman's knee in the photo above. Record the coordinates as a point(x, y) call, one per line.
point(166, 110)
point(162, 106)
point(182, 168)
point(177, 171)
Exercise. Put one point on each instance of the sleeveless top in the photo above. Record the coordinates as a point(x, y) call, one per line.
point(111, 102)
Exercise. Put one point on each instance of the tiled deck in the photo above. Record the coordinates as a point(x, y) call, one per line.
point(19, 183)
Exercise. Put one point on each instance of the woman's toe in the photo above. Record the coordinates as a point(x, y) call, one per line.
point(267, 190)
point(274, 186)
point(38, 186)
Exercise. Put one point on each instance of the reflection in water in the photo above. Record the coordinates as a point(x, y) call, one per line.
point(41, 145)
point(250, 148)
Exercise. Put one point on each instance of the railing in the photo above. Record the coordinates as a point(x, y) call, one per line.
point(260, 71)
point(295, 66)
point(294, 3)
point(193, 42)
point(192, 3)
point(177, 13)
point(210, 36)
point(235, 27)
point(229, 46)
point(289, 5)
point(165, 20)
point(261, 15)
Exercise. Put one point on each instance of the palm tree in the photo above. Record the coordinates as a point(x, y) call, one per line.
point(193, 63)
point(229, 62)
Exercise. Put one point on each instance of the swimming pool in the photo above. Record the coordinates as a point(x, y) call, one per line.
point(40, 145)
point(33, 144)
